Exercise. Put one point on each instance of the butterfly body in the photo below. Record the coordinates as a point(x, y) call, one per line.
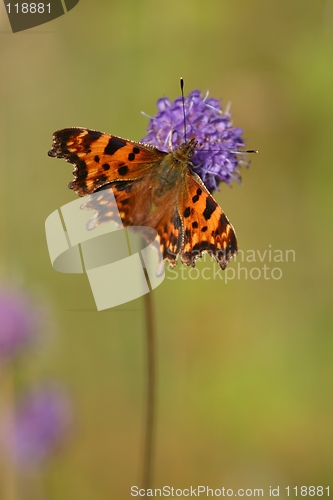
point(151, 188)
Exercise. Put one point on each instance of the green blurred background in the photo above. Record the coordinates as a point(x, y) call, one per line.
point(245, 377)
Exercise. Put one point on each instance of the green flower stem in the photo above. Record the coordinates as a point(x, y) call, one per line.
point(148, 457)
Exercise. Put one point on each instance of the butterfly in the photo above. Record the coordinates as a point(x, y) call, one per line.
point(151, 188)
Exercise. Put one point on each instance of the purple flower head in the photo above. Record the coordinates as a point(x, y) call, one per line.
point(19, 322)
point(214, 159)
point(40, 423)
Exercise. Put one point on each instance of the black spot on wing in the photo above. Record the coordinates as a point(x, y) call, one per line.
point(123, 170)
point(114, 144)
point(106, 166)
point(135, 151)
point(93, 135)
point(197, 195)
point(187, 212)
point(210, 208)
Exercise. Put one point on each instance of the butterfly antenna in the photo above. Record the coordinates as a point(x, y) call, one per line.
point(183, 101)
point(246, 151)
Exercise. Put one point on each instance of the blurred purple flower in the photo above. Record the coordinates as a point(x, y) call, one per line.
point(214, 159)
point(19, 322)
point(40, 423)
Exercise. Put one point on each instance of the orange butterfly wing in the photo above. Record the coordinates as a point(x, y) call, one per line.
point(206, 227)
point(100, 158)
point(102, 161)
